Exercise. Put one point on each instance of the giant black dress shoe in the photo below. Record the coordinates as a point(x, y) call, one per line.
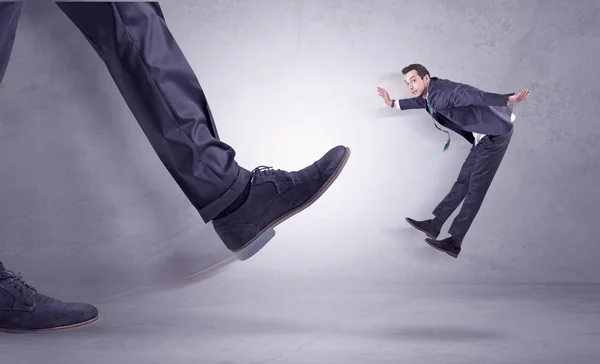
point(274, 197)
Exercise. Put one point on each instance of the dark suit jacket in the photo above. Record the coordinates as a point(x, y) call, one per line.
point(465, 109)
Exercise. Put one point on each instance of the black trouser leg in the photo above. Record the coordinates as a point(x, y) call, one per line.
point(164, 94)
point(459, 190)
point(10, 12)
point(490, 152)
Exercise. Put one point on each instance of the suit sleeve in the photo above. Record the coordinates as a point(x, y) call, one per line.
point(468, 97)
point(412, 103)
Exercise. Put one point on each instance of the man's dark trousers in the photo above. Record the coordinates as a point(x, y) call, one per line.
point(161, 90)
point(472, 184)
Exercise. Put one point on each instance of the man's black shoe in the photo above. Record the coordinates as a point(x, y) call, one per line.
point(448, 246)
point(275, 196)
point(427, 226)
point(23, 309)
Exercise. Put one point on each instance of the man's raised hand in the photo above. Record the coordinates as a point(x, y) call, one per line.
point(384, 95)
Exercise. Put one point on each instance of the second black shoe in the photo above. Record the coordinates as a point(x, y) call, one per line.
point(428, 227)
point(275, 196)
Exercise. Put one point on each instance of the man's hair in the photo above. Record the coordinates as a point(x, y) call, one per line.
point(421, 70)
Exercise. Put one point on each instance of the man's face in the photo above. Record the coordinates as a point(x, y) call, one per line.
point(415, 84)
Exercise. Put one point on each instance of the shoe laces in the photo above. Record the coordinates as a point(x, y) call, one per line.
point(261, 169)
point(17, 282)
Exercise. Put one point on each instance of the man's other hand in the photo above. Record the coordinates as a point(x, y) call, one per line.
point(518, 97)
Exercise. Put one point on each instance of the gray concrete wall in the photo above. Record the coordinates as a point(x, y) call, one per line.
point(86, 207)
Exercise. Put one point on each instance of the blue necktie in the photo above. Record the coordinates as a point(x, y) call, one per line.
point(431, 112)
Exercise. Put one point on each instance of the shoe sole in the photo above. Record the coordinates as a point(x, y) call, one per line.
point(453, 255)
point(266, 234)
point(60, 328)
point(421, 230)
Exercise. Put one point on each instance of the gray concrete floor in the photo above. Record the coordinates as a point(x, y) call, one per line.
point(241, 315)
